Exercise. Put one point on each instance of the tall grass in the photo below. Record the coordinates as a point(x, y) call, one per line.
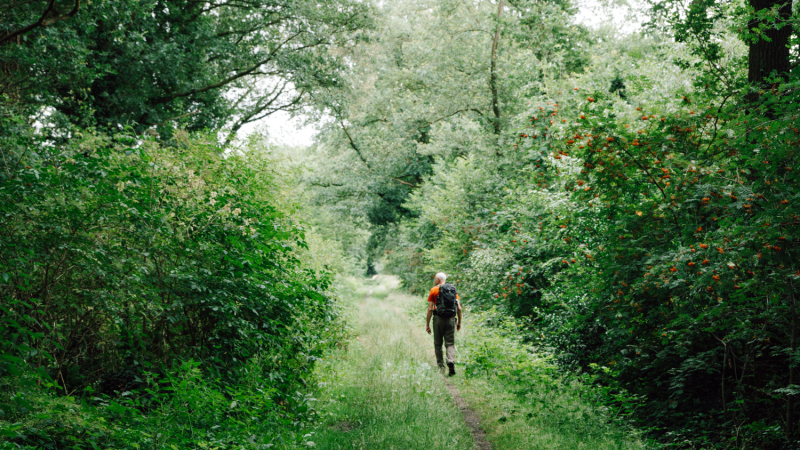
point(382, 392)
point(523, 401)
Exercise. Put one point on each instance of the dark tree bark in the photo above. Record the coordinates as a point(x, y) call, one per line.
point(771, 54)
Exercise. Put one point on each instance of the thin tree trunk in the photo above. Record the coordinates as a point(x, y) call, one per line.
point(790, 397)
point(493, 74)
point(724, 402)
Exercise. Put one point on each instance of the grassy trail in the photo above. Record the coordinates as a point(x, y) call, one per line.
point(384, 393)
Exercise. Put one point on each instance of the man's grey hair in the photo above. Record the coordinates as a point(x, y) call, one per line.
point(440, 276)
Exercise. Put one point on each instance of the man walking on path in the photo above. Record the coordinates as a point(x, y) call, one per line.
point(446, 311)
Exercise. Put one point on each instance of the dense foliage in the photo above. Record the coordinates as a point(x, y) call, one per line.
point(125, 260)
point(629, 198)
point(158, 287)
point(636, 205)
point(161, 64)
point(406, 102)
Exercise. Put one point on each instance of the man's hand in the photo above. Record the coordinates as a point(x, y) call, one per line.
point(428, 318)
point(458, 326)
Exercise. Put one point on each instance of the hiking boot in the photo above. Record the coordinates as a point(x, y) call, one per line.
point(452, 367)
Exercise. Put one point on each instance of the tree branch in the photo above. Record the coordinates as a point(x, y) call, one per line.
point(43, 21)
point(318, 184)
point(259, 108)
point(493, 71)
point(652, 178)
point(405, 182)
point(431, 122)
point(249, 30)
point(353, 145)
point(234, 77)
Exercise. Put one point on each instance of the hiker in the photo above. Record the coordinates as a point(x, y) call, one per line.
point(446, 311)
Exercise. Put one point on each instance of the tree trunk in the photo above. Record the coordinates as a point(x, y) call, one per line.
point(790, 398)
point(493, 73)
point(722, 381)
point(771, 54)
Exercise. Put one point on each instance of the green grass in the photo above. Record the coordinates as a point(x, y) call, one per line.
point(544, 419)
point(378, 287)
point(521, 399)
point(383, 393)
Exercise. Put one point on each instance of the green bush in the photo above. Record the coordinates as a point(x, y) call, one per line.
point(163, 285)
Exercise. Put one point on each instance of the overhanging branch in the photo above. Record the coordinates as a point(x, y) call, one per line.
point(405, 182)
point(353, 145)
point(45, 20)
point(234, 77)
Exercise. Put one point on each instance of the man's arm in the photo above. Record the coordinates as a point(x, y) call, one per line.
point(428, 319)
point(458, 326)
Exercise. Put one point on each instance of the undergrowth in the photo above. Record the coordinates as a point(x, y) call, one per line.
point(524, 400)
point(264, 404)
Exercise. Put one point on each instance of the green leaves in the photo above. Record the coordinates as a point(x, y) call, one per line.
point(120, 64)
point(160, 246)
point(171, 286)
point(642, 212)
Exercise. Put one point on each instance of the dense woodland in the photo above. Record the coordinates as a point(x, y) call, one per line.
point(628, 198)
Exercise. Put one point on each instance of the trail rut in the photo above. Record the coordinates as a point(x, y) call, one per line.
point(472, 418)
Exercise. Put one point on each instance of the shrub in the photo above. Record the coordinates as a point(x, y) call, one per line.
point(152, 272)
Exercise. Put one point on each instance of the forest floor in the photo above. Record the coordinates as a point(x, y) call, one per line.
point(382, 391)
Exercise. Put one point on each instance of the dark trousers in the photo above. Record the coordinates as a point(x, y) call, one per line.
point(444, 331)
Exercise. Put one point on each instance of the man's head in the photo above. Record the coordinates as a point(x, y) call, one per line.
point(439, 278)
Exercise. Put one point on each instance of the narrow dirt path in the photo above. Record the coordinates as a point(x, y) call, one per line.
point(472, 418)
point(383, 391)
